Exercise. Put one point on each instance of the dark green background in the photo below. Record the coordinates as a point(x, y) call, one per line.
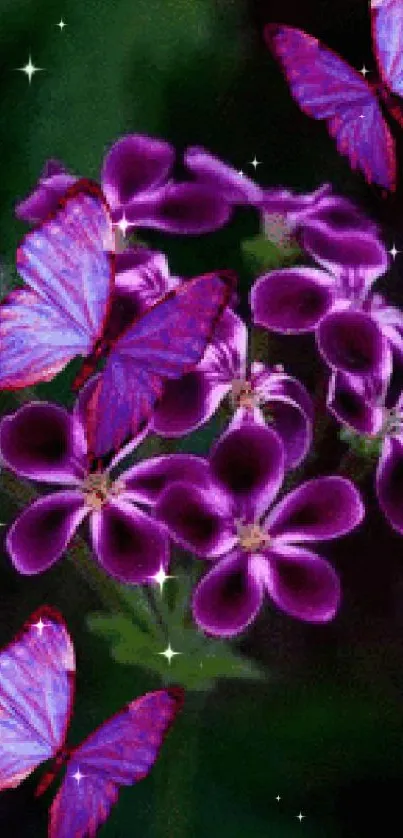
point(324, 730)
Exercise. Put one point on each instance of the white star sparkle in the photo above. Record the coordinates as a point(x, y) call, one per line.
point(123, 224)
point(300, 817)
point(278, 798)
point(364, 71)
point(61, 24)
point(40, 625)
point(161, 577)
point(393, 252)
point(29, 69)
point(240, 173)
point(255, 162)
point(169, 653)
point(78, 776)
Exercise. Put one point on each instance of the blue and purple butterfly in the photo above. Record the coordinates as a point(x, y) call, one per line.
point(326, 87)
point(68, 264)
point(37, 682)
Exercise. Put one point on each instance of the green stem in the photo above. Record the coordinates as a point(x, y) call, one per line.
point(176, 771)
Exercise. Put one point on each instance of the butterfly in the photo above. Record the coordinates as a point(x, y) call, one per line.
point(68, 264)
point(37, 681)
point(326, 87)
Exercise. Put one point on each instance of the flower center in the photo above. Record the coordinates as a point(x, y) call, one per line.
point(242, 394)
point(97, 489)
point(393, 424)
point(251, 536)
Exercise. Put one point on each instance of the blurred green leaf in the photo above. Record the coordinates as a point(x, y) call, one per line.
point(199, 660)
point(261, 255)
point(363, 446)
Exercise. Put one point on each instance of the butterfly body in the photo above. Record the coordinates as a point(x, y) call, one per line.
point(37, 678)
point(327, 88)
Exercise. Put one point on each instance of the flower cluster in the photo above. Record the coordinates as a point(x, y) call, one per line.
point(230, 508)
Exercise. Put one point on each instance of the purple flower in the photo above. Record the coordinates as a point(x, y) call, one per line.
point(269, 394)
point(44, 442)
point(44, 200)
point(257, 549)
point(142, 278)
point(137, 183)
point(314, 218)
point(355, 329)
point(365, 409)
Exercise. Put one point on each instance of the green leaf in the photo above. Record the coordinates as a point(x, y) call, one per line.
point(363, 446)
point(198, 664)
point(260, 254)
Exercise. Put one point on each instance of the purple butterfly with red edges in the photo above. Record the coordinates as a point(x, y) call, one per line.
point(326, 87)
point(37, 681)
point(68, 264)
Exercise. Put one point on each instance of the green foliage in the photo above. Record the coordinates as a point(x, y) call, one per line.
point(368, 447)
point(200, 662)
point(260, 254)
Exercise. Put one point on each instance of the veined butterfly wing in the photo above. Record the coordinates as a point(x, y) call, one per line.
point(119, 753)
point(37, 674)
point(326, 87)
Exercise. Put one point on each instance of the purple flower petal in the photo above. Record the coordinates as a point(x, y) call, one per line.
point(128, 543)
point(247, 462)
point(185, 208)
point(339, 215)
point(45, 198)
point(225, 357)
point(186, 404)
point(284, 202)
point(146, 481)
point(197, 519)
point(291, 300)
point(287, 406)
point(142, 278)
point(303, 584)
point(41, 441)
point(136, 163)
point(348, 402)
point(41, 534)
point(292, 426)
point(235, 188)
point(348, 251)
point(353, 342)
point(228, 597)
point(190, 401)
point(389, 483)
point(318, 510)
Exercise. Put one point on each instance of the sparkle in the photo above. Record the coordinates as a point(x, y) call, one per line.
point(278, 798)
point(240, 173)
point(61, 24)
point(300, 817)
point(123, 224)
point(29, 69)
point(40, 626)
point(161, 577)
point(364, 71)
point(169, 653)
point(361, 116)
point(255, 162)
point(393, 252)
point(78, 776)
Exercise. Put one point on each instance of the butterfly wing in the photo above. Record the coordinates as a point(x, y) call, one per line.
point(325, 87)
point(36, 692)
point(67, 266)
point(120, 753)
point(165, 342)
point(387, 30)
